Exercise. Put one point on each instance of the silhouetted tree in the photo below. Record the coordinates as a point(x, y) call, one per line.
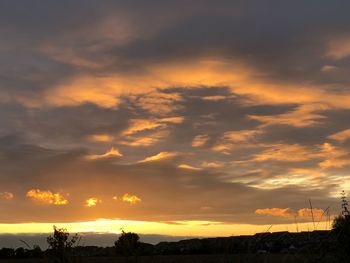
point(60, 245)
point(127, 244)
point(341, 225)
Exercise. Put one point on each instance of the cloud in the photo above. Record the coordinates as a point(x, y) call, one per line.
point(160, 156)
point(341, 136)
point(138, 125)
point(187, 166)
point(6, 195)
point(47, 197)
point(303, 213)
point(150, 138)
point(286, 153)
point(158, 102)
point(112, 153)
point(146, 132)
point(101, 138)
point(339, 48)
point(215, 164)
point(241, 136)
point(174, 120)
point(132, 199)
point(92, 201)
point(302, 116)
point(333, 156)
point(317, 213)
point(200, 140)
point(279, 212)
point(329, 68)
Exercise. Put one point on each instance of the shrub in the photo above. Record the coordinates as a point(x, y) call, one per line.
point(127, 244)
point(60, 245)
point(341, 226)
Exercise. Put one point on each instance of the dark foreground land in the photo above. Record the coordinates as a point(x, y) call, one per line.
point(238, 258)
point(280, 247)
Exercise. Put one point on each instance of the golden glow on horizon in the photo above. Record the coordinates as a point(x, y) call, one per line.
point(178, 228)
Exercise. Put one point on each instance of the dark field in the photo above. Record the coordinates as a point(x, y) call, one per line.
point(240, 258)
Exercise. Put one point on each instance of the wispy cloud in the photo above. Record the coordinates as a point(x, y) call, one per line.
point(113, 152)
point(160, 156)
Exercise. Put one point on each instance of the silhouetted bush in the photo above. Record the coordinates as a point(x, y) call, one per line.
point(127, 244)
point(6, 253)
point(341, 227)
point(60, 245)
point(21, 253)
point(36, 252)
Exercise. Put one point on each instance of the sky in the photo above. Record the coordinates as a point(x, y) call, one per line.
point(185, 117)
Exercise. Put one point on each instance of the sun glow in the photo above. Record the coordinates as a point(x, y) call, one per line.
point(179, 228)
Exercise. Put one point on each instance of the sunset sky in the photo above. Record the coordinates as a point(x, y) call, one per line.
point(173, 117)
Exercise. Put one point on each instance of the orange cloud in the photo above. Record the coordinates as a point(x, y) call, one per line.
point(138, 125)
point(213, 98)
point(207, 70)
point(304, 213)
point(230, 139)
point(213, 164)
point(113, 152)
point(336, 163)
point(241, 136)
point(101, 138)
point(6, 195)
point(47, 197)
point(158, 103)
point(92, 201)
point(175, 120)
point(200, 140)
point(334, 156)
point(160, 156)
point(309, 173)
point(141, 125)
point(303, 116)
point(186, 166)
point(341, 136)
point(85, 89)
point(132, 199)
point(145, 140)
point(286, 153)
point(224, 148)
point(279, 212)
